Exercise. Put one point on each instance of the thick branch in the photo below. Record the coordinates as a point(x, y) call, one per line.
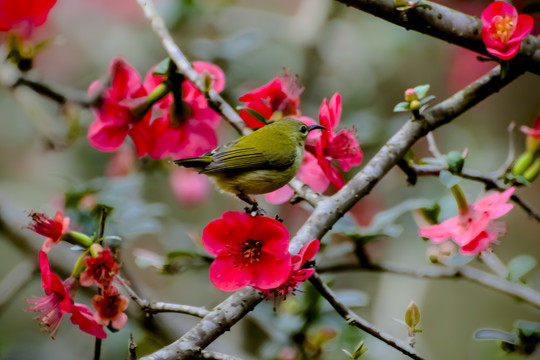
point(448, 25)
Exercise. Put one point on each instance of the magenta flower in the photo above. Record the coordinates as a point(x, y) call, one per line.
point(297, 275)
point(249, 250)
point(533, 132)
point(52, 229)
point(115, 118)
point(341, 146)
point(503, 29)
point(474, 229)
point(277, 99)
point(187, 130)
point(23, 16)
point(110, 306)
point(59, 302)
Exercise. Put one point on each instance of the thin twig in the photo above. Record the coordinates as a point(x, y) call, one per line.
point(161, 307)
point(490, 180)
point(56, 95)
point(355, 320)
point(513, 289)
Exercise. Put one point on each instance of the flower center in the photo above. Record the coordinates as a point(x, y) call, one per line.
point(502, 28)
point(251, 251)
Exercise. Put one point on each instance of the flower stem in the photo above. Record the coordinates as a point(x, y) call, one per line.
point(460, 199)
point(97, 349)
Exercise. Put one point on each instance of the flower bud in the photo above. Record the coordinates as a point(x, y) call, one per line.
point(533, 171)
point(522, 163)
point(410, 94)
point(412, 315)
point(400, 3)
point(415, 105)
point(532, 144)
point(77, 238)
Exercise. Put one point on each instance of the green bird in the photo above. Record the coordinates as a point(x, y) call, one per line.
point(257, 163)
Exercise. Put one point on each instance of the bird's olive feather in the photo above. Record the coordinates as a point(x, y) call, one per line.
point(258, 163)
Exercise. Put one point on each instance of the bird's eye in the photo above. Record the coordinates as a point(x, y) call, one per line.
point(303, 129)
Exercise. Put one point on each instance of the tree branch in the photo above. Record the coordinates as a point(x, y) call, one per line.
point(449, 25)
point(355, 320)
point(490, 281)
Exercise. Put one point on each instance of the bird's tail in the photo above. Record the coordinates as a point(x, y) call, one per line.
point(197, 162)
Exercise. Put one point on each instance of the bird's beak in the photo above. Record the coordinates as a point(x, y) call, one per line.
point(315, 127)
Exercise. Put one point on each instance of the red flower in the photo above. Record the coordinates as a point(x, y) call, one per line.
point(114, 119)
point(59, 302)
point(474, 229)
point(503, 29)
point(101, 269)
point(277, 99)
point(187, 131)
point(52, 229)
point(249, 250)
point(297, 275)
point(341, 146)
point(23, 15)
point(110, 308)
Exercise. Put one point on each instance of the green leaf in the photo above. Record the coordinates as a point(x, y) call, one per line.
point(412, 315)
point(421, 91)
point(402, 106)
point(431, 214)
point(447, 179)
point(162, 68)
point(520, 266)
point(494, 334)
point(257, 115)
point(427, 99)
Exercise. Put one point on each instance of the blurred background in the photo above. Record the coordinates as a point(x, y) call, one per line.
point(44, 154)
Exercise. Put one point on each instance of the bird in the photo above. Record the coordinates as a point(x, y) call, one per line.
point(257, 163)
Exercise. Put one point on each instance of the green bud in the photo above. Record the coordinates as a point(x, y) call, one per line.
point(400, 3)
point(533, 171)
point(79, 267)
point(455, 161)
point(522, 163)
point(412, 315)
point(77, 238)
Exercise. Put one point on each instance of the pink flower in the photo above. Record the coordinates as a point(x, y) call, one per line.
point(115, 119)
point(189, 187)
point(24, 15)
point(533, 132)
point(279, 98)
point(297, 275)
point(100, 269)
point(52, 229)
point(474, 229)
point(110, 308)
point(249, 250)
point(186, 129)
point(342, 146)
point(503, 29)
point(59, 302)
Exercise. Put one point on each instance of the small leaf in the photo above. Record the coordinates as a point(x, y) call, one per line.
point(431, 214)
point(257, 115)
point(162, 68)
point(447, 179)
point(426, 99)
point(402, 106)
point(494, 334)
point(455, 161)
point(412, 315)
point(519, 266)
point(421, 91)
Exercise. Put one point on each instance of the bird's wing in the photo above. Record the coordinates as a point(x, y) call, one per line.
point(248, 158)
